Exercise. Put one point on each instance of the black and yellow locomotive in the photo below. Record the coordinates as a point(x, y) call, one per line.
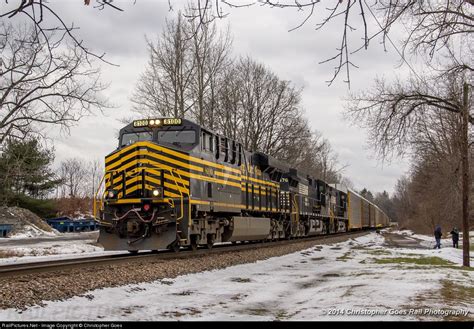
point(172, 183)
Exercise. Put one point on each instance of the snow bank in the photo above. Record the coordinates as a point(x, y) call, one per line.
point(32, 231)
point(29, 247)
point(80, 252)
point(25, 223)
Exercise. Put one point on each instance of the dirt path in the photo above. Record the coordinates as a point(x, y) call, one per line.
point(394, 240)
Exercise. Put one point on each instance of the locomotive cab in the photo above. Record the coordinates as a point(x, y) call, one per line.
point(174, 133)
point(146, 192)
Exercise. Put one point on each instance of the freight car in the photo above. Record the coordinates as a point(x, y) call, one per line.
point(172, 183)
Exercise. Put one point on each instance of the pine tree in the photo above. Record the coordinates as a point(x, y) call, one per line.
point(25, 170)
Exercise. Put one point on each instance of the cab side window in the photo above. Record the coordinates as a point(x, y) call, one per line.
point(207, 141)
point(217, 150)
point(239, 159)
point(203, 140)
point(224, 149)
point(211, 142)
point(233, 158)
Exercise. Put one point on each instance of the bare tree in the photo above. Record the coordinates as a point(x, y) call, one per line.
point(432, 25)
point(346, 181)
point(260, 110)
point(240, 99)
point(263, 113)
point(314, 155)
point(432, 193)
point(43, 83)
point(45, 19)
point(210, 52)
point(425, 117)
point(95, 170)
point(164, 87)
point(184, 74)
point(73, 173)
point(394, 113)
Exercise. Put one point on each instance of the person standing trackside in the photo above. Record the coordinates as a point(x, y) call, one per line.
point(438, 235)
point(455, 236)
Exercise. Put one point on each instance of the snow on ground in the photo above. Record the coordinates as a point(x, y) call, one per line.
point(46, 251)
point(79, 253)
point(32, 231)
point(326, 282)
point(51, 247)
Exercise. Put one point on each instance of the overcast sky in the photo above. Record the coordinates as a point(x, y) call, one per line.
point(261, 33)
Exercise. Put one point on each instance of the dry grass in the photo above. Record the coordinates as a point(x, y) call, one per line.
point(241, 280)
point(344, 257)
point(417, 261)
point(454, 293)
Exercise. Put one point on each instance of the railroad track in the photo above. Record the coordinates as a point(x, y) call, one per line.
point(68, 264)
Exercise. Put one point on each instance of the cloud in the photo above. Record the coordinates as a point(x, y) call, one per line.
point(115, 32)
point(261, 33)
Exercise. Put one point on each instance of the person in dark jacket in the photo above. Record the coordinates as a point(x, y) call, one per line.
point(455, 236)
point(438, 235)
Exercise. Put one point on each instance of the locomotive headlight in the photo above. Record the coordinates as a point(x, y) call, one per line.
point(154, 122)
point(158, 192)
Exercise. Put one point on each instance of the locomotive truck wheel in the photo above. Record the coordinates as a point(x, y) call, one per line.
point(174, 246)
point(210, 241)
point(194, 243)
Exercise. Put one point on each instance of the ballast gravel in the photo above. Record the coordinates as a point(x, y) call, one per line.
point(33, 289)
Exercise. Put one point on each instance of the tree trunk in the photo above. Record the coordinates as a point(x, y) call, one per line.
point(465, 177)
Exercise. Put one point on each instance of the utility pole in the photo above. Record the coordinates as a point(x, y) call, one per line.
point(465, 176)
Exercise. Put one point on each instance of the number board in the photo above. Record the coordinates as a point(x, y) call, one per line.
point(140, 123)
point(172, 122)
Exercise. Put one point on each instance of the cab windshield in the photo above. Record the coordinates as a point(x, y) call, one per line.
point(130, 138)
point(177, 137)
point(182, 138)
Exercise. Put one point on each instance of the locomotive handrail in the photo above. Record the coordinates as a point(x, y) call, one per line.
point(189, 199)
point(296, 212)
point(331, 217)
point(180, 193)
point(94, 203)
